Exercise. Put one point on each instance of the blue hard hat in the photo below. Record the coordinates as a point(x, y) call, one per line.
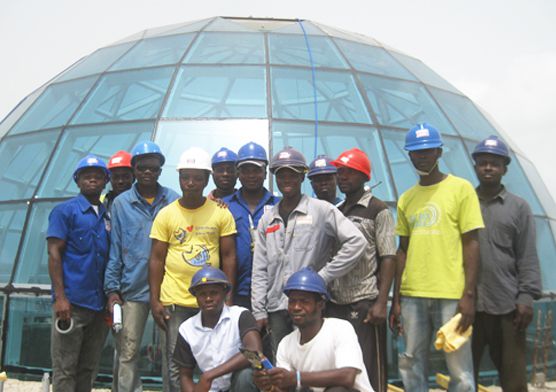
point(224, 155)
point(252, 152)
point(209, 275)
point(322, 164)
point(306, 279)
point(147, 148)
point(422, 137)
point(289, 157)
point(493, 145)
point(90, 161)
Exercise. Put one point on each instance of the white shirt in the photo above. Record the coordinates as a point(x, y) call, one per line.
point(335, 346)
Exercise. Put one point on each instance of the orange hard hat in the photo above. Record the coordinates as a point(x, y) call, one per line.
point(354, 159)
point(120, 159)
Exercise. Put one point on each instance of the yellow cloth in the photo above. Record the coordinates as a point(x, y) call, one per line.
point(435, 217)
point(193, 238)
point(447, 337)
point(150, 200)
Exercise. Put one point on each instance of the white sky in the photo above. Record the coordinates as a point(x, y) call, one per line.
point(500, 53)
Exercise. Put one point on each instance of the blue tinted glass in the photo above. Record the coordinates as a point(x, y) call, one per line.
point(101, 140)
point(403, 104)
point(227, 48)
point(372, 59)
point(540, 188)
point(28, 332)
point(516, 182)
point(12, 217)
point(546, 251)
point(97, 62)
point(55, 106)
point(32, 266)
point(23, 159)
point(174, 137)
point(337, 96)
point(128, 95)
point(218, 92)
point(332, 141)
point(469, 122)
point(292, 49)
point(454, 160)
point(16, 112)
point(423, 73)
point(155, 51)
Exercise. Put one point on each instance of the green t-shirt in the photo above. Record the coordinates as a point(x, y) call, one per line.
point(434, 218)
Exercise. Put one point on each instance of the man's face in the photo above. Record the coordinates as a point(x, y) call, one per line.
point(147, 169)
point(490, 169)
point(193, 182)
point(224, 175)
point(121, 179)
point(210, 298)
point(251, 176)
point(425, 160)
point(289, 182)
point(324, 186)
point(91, 181)
point(350, 180)
point(304, 308)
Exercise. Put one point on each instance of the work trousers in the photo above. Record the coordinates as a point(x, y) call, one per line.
point(76, 355)
point(506, 345)
point(280, 325)
point(372, 339)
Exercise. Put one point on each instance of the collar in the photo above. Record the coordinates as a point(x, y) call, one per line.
point(84, 205)
point(198, 321)
point(499, 196)
point(135, 196)
point(302, 207)
point(267, 196)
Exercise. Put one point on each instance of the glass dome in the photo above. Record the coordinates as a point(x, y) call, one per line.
point(223, 82)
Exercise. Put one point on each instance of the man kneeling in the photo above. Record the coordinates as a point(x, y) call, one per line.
point(211, 339)
point(322, 354)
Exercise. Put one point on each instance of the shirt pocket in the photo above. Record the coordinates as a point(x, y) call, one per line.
point(303, 239)
point(135, 243)
point(81, 241)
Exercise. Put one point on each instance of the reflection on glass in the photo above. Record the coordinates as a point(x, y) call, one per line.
point(292, 49)
point(23, 159)
point(209, 92)
point(403, 173)
point(176, 137)
point(540, 188)
point(131, 95)
point(372, 59)
point(403, 104)
point(546, 251)
point(77, 142)
point(55, 106)
point(16, 113)
point(423, 73)
point(155, 51)
point(12, 218)
point(96, 62)
point(332, 141)
point(337, 97)
point(32, 267)
point(227, 48)
point(469, 122)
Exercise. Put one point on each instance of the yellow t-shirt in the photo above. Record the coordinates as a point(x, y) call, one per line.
point(434, 218)
point(193, 238)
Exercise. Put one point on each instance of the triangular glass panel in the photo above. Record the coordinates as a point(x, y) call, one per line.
point(224, 24)
point(178, 28)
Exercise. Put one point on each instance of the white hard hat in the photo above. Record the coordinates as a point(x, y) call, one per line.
point(195, 158)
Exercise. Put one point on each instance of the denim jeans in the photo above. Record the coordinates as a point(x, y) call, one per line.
point(170, 371)
point(76, 355)
point(242, 381)
point(128, 345)
point(421, 318)
point(280, 325)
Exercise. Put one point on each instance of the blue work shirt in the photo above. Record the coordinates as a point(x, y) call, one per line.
point(245, 222)
point(132, 217)
point(84, 259)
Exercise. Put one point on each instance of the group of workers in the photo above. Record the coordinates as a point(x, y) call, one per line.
point(308, 276)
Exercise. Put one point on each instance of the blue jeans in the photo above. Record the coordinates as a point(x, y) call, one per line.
point(421, 318)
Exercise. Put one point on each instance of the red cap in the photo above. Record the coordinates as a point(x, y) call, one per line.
point(120, 159)
point(354, 159)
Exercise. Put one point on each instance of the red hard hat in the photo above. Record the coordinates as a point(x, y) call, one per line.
point(120, 159)
point(354, 159)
